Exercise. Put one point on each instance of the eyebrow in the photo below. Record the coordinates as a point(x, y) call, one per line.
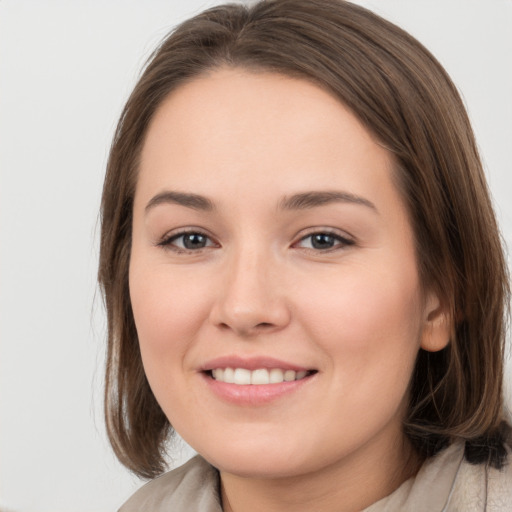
point(194, 201)
point(306, 200)
point(301, 201)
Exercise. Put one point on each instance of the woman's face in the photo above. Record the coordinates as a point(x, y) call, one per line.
point(271, 243)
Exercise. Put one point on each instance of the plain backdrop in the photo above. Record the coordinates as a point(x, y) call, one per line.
point(66, 68)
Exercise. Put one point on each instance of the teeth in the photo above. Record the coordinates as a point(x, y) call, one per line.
point(229, 375)
point(243, 377)
point(218, 374)
point(289, 375)
point(276, 376)
point(260, 377)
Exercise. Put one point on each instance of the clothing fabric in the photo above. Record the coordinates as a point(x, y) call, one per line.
point(445, 483)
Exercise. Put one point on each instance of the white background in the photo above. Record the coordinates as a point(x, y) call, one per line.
point(66, 68)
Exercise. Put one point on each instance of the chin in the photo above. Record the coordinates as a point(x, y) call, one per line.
point(268, 459)
point(257, 466)
point(244, 458)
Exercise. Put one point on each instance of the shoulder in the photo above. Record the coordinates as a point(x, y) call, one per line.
point(193, 486)
point(480, 487)
point(449, 483)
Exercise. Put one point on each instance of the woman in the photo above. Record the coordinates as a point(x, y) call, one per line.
point(303, 273)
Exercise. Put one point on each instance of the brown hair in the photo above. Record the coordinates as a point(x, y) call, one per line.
point(406, 99)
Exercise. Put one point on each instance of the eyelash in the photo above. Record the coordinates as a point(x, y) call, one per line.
point(342, 241)
point(168, 241)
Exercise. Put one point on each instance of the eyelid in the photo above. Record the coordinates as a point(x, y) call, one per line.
point(344, 238)
point(166, 240)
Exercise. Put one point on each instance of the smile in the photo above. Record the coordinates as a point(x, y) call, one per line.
point(260, 376)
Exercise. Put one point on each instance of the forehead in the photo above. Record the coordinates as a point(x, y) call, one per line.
point(256, 124)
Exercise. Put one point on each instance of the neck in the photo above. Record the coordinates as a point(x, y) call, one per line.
point(347, 486)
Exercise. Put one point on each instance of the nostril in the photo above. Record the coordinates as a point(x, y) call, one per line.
point(264, 324)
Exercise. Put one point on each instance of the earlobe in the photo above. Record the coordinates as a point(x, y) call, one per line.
point(437, 326)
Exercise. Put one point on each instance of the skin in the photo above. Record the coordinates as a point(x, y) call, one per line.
point(355, 312)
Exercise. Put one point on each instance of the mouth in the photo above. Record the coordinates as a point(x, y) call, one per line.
point(257, 377)
point(255, 380)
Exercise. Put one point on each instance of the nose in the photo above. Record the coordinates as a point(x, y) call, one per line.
point(250, 299)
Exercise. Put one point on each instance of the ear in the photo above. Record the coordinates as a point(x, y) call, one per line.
point(437, 324)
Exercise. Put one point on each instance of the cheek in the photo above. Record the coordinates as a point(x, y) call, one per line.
point(368, 320)
point(370, 334)
point(168, 309)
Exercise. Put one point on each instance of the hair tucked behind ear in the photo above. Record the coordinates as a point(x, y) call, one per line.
point(402, 95)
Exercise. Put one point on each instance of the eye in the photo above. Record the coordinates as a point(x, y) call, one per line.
point(187, 241)
point(324, 241)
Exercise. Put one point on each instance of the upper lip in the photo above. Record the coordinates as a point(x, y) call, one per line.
point(251, 363)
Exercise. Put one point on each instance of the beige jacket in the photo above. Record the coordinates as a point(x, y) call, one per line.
point(445, 483)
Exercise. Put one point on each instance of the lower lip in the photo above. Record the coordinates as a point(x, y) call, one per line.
point(251, 394)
